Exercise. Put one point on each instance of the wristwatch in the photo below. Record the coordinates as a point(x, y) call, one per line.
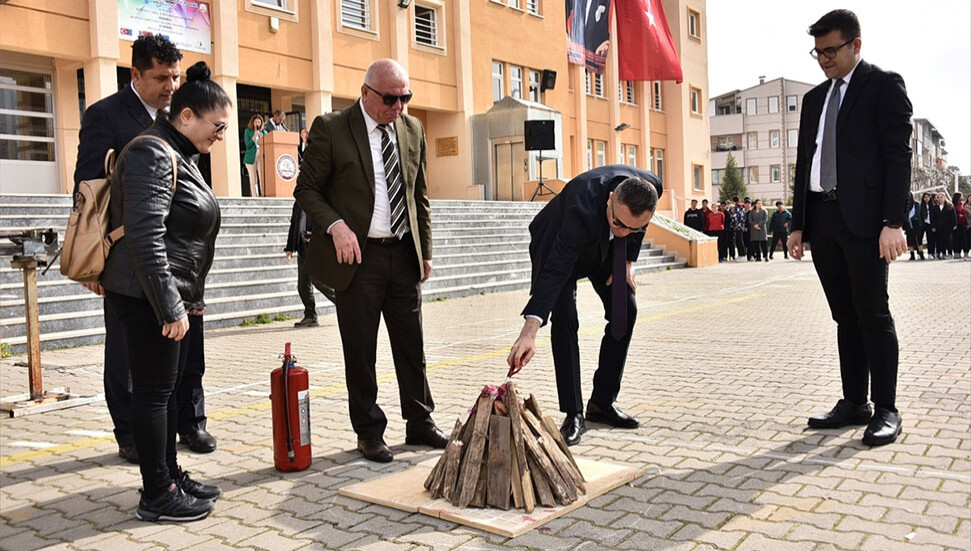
point(892, 224)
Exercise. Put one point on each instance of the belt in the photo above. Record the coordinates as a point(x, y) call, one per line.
point(386, 241)
point(824, 196)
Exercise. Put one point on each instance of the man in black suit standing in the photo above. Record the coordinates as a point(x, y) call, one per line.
point(110, 124)
point(593, 229)
point(851, 189)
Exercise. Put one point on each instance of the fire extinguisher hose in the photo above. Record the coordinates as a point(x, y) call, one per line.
point(286, 406)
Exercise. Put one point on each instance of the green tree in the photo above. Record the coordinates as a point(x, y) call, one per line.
point(732, 184)
point(964, 186)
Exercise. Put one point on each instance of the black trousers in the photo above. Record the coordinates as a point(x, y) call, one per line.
point(566, 350)
point(157, 364)
point(931, 241)
point(118, 386)
point(305, 288)
point(758, 249)
point(386, 283)
point(741, 243)
point(722, 244)
point(854, 278)
point(779, 237)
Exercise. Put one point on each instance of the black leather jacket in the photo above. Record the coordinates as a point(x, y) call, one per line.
point(169, 240)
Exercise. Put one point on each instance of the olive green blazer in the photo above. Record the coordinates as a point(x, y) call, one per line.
point(336, 182)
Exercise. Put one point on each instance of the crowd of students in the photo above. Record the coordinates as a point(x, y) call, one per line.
point(944, 224)
point(742, 228)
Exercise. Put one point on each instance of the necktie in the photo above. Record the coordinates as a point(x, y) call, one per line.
point(618, 291)
point(392, 175)
point(827, 159)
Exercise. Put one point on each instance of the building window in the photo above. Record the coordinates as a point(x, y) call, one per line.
point(426, 25)
point(658, 106)
point(534, 85)
point(791, 104)
point(753, 174)
point(589, 82)
point(532, 6)
point(598, 84)
point(750, 106)
point(589, 154)
point(773, 104)
point(716, 176)
point(773, 138)
point(516, 82)
point(601, 152)
point(725, 143)
point(792, 137)
point(775, 172)
point(26, 116)
point(698, 177)
point(277, 4)
point(752, 139)
point(498, 85)
point(659, 163)
point(631, 155)
point(513, 3)
point(694, 24)
point(356, 14)
point(695, 101)
point(629, 89)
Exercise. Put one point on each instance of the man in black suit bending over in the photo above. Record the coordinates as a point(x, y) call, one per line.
point(110, 124)
point(593, 229)
point(851, 189)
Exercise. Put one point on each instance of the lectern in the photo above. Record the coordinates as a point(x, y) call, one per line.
point(278, 151)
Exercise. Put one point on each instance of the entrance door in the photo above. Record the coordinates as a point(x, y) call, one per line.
point(509, 171)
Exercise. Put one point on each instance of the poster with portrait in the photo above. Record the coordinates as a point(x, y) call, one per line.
point(186, 23)
point(588, 30)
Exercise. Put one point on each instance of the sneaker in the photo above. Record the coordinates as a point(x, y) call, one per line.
point(173, 505)
point(307, 322)
point(196, 489)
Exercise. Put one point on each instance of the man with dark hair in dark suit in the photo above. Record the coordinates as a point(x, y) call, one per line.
point(362, 184)
point(852, 185)
point(593, 229)
point(110, 124)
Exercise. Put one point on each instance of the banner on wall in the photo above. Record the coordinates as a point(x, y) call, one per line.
point(184, 22)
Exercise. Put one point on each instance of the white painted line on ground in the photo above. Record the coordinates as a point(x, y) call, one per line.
point(89, 433)
point(31, 445)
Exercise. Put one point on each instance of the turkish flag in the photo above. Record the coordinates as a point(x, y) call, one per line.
point(645, 49)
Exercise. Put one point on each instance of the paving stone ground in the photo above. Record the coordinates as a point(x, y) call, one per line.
point(725, 365)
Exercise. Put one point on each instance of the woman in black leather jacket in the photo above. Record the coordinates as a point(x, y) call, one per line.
point(155, 275)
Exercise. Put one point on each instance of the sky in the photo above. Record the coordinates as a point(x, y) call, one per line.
point(928, 43)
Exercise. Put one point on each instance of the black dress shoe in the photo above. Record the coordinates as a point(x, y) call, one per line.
point(610, 415)
point(573, 426)
point(883, 429)
point(427, 435)
point(129, 454)
point(374, 449)
point(845, 413)
point(199, 441)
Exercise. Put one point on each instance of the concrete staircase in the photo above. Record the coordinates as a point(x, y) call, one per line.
point(479, 247)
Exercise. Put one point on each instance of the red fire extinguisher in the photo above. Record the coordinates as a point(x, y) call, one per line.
point(290, 398)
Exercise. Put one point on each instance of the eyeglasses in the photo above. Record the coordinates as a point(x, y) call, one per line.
point(828, 53)
point(218, 128)
point(390, 99)
point(622, 225)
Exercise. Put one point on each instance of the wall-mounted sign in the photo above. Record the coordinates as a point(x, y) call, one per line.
point(186, 23)
point(286, 167)
point(447, 147)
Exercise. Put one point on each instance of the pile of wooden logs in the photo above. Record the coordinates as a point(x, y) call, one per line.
point(506, 448)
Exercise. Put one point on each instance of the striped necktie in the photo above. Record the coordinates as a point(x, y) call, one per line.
point(392, 175)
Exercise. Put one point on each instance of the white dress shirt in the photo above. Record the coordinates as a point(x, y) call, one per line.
point(152, 112)
point(381, 217)
point(814, 172)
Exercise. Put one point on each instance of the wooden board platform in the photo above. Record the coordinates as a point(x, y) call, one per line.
point(404, 491)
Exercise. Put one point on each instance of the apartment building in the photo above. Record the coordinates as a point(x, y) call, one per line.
point(477, 71)
point(759, 127)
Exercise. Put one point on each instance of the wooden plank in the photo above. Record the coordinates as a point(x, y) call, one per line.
point(453, 451)
point(479, 497)
point(566, 468)
point(551, 428)
point(497, 492)
point(533, 405)
point(562, 489)
point(472, 461)
point(511, 400)
point(544, 494)
point(438, 473)
point(451, 470)
point(515, 481)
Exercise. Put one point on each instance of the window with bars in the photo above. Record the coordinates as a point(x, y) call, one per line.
point(532, 6)
point(658, 103)
point(356, 14)
point(588, 82)
point(426, 25)
point(598, 85)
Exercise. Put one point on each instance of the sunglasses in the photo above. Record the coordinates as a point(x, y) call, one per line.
point(390, 99)
point(217, 128)
point(622, 225)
